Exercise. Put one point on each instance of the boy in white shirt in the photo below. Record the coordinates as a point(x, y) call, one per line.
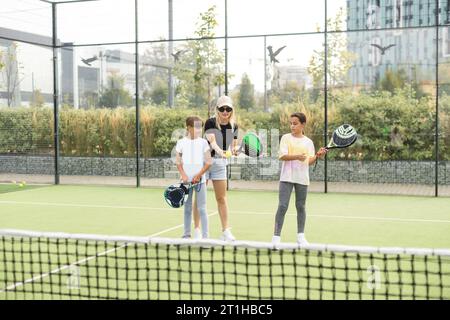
point(193, 159)
point(297, 154)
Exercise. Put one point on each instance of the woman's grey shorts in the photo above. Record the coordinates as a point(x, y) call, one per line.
point(218, 170)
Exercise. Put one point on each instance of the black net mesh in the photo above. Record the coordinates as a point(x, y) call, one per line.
point(38, 267)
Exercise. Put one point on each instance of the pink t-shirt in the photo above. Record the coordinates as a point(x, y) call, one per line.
point(295, 171)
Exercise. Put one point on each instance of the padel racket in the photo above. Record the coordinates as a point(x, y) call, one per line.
point(344, 136)
point(176, 194)
point(251, 145)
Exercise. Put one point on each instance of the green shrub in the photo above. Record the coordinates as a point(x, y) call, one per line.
point(391, 126)
point(26, 130)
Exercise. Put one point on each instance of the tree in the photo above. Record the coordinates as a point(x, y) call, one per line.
point(339, 59)
point(159, 92)
point(11, 74)
point(392, 80)
point(198, 69)
point(37, 99)
point(115, 93)
point(153, 74)
point(444, 76)
point(246, 96)
point(290, 92)
point(398, 79)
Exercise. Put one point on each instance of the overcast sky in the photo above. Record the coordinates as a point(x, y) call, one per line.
point(113, 21)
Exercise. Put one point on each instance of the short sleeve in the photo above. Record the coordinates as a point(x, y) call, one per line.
point(205, 146)
point(210, 124)
point(284, 149)
point(179, 146)
point(210, 128)
point(311, 149)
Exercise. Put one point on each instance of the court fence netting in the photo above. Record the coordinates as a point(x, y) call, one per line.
point(43, 265)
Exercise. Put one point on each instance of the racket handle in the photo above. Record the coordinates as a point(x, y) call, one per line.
point(240, 149)
point(189, 184)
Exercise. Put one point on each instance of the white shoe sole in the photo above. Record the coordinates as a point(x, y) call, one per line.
point(223, 238)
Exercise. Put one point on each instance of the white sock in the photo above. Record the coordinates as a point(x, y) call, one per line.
point(301, 238)
point(276, 239)
point(197, 233)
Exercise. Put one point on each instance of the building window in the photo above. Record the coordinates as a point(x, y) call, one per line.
point(446, 42)
point(448, 11)
point(373, 17)
point(397, 14)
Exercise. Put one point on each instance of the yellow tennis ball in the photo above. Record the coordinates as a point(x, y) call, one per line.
point(228, 153)
point(21, 185)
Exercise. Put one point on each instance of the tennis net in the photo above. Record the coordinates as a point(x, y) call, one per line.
point(39, 265)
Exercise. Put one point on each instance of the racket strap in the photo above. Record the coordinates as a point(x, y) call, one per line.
point(198, 187)
point(317, 160)
point(315, 165)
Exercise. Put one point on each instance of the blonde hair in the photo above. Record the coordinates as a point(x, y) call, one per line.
point(232, 118)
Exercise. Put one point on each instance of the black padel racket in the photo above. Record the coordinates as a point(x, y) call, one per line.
point(344, 136)
point(176, 194)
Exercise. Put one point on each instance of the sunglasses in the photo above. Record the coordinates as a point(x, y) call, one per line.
point(222, 109)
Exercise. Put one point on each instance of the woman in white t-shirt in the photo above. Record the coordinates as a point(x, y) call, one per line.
point(193, 159)
point(297, 154)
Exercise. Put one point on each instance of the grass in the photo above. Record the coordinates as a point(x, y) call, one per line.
point(400, 221)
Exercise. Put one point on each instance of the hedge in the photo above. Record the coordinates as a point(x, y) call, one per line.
point(391, 126)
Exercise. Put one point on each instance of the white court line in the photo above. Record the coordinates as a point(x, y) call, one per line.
point(345, 217)
point(74, 205)
point(41, 276)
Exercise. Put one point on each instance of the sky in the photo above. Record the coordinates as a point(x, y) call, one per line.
point(113, 21)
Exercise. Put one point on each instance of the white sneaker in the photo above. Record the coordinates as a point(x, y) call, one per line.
point(276, 240)
point(197, 234)
point(227, 235)
point(301, 240)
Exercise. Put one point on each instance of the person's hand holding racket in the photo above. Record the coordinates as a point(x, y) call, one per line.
point(184, 178)
point(176, 194)
point(196, 179)
point(322, 151)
